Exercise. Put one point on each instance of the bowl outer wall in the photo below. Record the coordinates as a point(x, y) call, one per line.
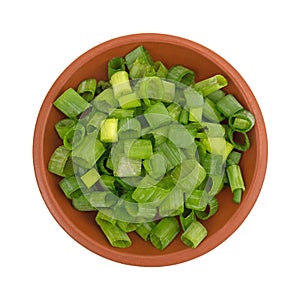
point(81, 226)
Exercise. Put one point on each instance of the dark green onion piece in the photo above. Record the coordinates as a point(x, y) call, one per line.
point(212, 208)
point(216, 95)
point(164, 232)
point(187, 218)
point(102, 85)
point(239, 140)
point(233, 158)
point(120, 113)
point(194, 234)
point(88, 152)
point(181, 74)
point(107, 214)
point(235, 177)
point(138, 53)
point(120, 84)
point(87, 89)
point(74, 136)
point(229, 105)
point(64, 125)
point(58, 160)
point(80, 203)
point(116, 236)
point(237, 196)
point(116, 64)
point(242, 121)
point(71, 103)
point(184, 117)
point(210, 85)
point(157, 115)
point(144, 230)
point(160, 69)
point(69, 185)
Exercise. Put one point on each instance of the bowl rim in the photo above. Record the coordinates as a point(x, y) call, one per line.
point(165, 258)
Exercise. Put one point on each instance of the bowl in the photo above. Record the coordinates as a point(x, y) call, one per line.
point(81, 226)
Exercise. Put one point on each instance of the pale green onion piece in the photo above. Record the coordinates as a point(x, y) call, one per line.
point(69, 185)
point(116, 64)
point(120, 84)
point(90, 177)
point(210, 85)
point(173, 204)
point(229, 105)
point(58, 160)
point(145, 229)
point(64, 125)
point(187, 218)
point(109, 130)
point(212, 209)
point(181, 74)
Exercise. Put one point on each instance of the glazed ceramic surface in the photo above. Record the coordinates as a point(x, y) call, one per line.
point(81, 225)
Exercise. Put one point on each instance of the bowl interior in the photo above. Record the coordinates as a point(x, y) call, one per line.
point(81, 225)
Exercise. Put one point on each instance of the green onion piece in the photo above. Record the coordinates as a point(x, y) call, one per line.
point(109, 131)
point(172, 154)
point(169, 91)
point(242, 121)
point(155, 166)
point(120, 113)
point(181, 74)
point(212, 208)
point(114, 65)
point(116, 236)
point(90, 177)
point(71, 103)
point(87, 89)
point(107, 182)
point(95, 122)
point(120, 84)
point(129, 128)
point(164, 232)
point(160, 69)
point(233, 158)
point(193, 98)
point(197, 200)
point(210, 85)
point(213, 129)
point(157, 115)
point(69, 185)
point(107, 214)
point(74, 136)
point(187, 218)
point(102, 85)
point(214, 185)
point(210, 111)
point(127, 167)
point(239, 140)
point(99, 199)
point(58, 160)
point(194, 234)
point(173, 204)
point(213, 164)
point(80, 203)
point(138, 149)
point(144, 230)
point(188, 175)
point(195, 114)
point(88, 152)
point(237, 196)
point(126, 226)
point(63, 126)
point(235, 177)
point(129, 101)
point(184, 117)
point(160, 135)
point(180, 136)
point(140, 69)
point(216, 95)
point(138, 53)
point(151, 87)
point(105, 101)
point(174, 110)
point(229, 105)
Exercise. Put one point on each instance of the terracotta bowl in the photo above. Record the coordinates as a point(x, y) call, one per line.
point(81, 225)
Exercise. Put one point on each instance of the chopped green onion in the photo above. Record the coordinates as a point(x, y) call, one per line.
point(187, 218)
point(120, 84)
point(239, 140)
point(64, 125)
point(155, 165)
point(69, 185)
point(194, 234)
point(157, 115)
point(196, 201)
point(71, 103)
point(90, 177)
point(181, 74)
point(129, 128)
point(173, 204)
point(58, 160)
point(116, 236)
point(74, 136)
point(242, 121)
point(210, 85)
point(235, 177)
point(212, 208)
point(105, 101)
point(233, 158)
point(151, 87)
point(138, 149)
point(160, 69)
point(80, 203)
point(211, 112)
point(138, 53)
point(109, 131)
point(87, 89)
point(193, 98)
point(229, 105)
point(127, 167)
point(129, 101)
point(114, 65)
point(180, 136)
point(145, 229)
point(164, 232)
point(95, 122)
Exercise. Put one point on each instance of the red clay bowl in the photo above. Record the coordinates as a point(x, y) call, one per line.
point(81, 225)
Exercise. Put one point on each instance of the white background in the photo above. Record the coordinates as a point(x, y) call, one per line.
point(39, 39)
